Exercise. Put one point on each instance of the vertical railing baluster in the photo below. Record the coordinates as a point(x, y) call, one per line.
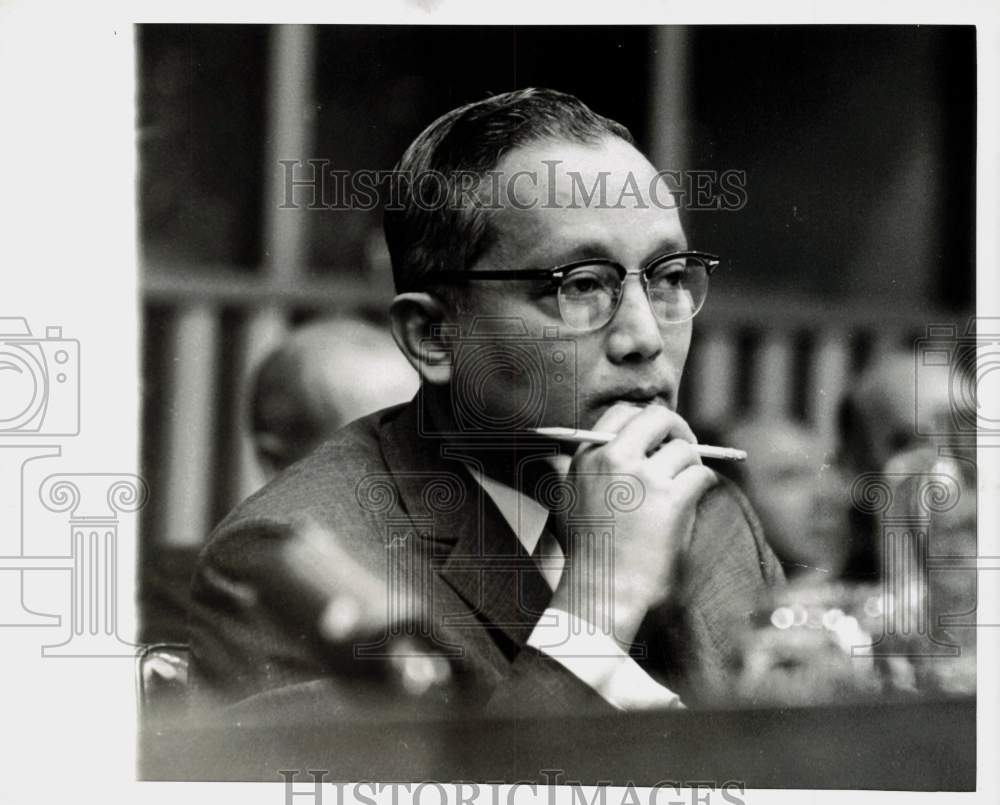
point(290, 116)
point(826, 382)
point(261, 332)
point(713, 378)
point(190, 424)
point(771, 384)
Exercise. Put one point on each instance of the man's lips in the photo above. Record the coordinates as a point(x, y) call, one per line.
point(637, 397)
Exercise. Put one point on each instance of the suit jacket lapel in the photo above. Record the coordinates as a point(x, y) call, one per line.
point(473, 549)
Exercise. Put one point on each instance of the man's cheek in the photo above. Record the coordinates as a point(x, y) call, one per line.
point(564, 406)
point(518, 398)
point(512, 387)
point(489, 393)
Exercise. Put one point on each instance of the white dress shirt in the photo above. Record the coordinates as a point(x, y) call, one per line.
point(591, 656)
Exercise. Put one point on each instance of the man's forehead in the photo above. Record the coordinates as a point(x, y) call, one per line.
point(559, 197)
point(556, 165)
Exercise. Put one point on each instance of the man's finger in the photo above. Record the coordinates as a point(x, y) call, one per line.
point(672, 458)
point(643, 434)
point(691, 483)
point(613, 420)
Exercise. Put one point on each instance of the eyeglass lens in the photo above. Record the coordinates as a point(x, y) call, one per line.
point(676, 289)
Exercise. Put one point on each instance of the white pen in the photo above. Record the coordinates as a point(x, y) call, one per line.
point(577, 436)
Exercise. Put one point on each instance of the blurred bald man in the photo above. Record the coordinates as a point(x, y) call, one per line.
point(322, 376)
point(801, 499)
point(878, 418)
point(877, 425)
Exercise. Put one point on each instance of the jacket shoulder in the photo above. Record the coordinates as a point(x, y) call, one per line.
point(727, 525)
point(323, 483)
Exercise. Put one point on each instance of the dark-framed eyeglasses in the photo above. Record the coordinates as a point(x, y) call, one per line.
point(590, 291)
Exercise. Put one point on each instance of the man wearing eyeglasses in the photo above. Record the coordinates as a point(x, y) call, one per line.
point(555, 577)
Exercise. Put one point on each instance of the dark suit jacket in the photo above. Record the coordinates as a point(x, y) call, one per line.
point(410, 514)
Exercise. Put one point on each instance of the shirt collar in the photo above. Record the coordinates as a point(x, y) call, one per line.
point(525, 515)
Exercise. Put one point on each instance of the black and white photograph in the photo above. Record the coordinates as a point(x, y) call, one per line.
point(386, 293)
point(508, 410)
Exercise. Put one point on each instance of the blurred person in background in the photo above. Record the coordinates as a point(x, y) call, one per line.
point(877, 418)
point(920, 617)
point(931, 479)
point(876, 424)
point(323, 375)
point(802, 499)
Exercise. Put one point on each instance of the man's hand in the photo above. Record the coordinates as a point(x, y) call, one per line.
point(612, 582)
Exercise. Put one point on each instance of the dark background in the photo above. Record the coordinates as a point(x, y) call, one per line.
point(858, 142)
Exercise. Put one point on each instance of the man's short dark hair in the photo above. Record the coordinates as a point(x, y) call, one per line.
point(465, 144)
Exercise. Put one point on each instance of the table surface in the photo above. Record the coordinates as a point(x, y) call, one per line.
point(925, 746)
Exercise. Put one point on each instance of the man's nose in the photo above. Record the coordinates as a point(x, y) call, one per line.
point(635, 331)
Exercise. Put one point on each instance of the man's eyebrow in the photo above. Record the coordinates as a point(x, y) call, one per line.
point(572, 254)
point(599, 250)
point(666, 246)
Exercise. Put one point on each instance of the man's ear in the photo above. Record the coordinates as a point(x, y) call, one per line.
point(417, 326)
